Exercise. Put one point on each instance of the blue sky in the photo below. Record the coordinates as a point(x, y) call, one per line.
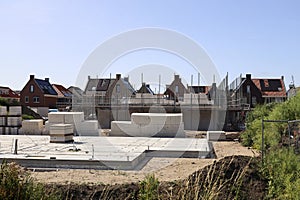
point(54, 38)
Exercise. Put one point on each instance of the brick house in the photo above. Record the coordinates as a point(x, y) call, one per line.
point(176, 89)
point(252, 91)
point(9, 95)
point(38, 93)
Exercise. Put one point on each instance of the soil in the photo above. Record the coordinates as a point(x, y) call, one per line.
point(235, 175)
point(229, 178)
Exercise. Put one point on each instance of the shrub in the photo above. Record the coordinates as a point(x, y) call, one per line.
point(149, 188)
point(282, 169)
point(16, 183)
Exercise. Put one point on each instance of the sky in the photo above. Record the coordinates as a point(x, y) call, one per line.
point(55, 38)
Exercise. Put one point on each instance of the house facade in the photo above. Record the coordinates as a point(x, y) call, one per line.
point(251, 91)
point(176, 90)
point(38, 93)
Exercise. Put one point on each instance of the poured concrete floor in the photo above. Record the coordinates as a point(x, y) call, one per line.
point(112, 152)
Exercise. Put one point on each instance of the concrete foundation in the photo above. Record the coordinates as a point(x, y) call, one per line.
point(149, 125)
point(99, 152)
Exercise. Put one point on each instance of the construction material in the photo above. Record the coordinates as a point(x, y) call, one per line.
point(215, 135)
point(61, 133)
point(76, 119)
point(33, 127)
point(149, 125)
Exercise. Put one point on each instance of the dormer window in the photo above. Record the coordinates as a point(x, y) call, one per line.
point(266, 82)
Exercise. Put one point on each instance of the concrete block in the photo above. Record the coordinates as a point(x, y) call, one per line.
point(57, 118)
point(156, 118)
point(149, 125)
point(61, 129)
point(73, 117)
point(32, 127)
point(61, 133)
point(14, 121)
point(3, 110)
point(15, 110)
point(88, 128)
point(2, 121)
point(215, 135)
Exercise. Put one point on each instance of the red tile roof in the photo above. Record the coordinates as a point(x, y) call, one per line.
point(6, 92)
point(62, 91)
point(270, 87)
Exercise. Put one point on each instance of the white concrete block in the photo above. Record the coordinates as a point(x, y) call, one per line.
point(56, 117)
point(14, 121)
point(156, 118)
point(73, 117)
point(88, 128)
point(15, 110)
point(149, 125)
point(3, 110)
point(61, 129)
point(2, 121)
point(215, 135)
point(61, 133)
point(32, 127)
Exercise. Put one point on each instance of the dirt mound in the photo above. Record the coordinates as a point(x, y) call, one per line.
point(231, 177)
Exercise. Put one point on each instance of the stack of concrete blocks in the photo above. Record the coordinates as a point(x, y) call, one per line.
point(12, 119)
point(61, 133)
point(16, 121)
point(32, 127)
point(3, 111)
point(76, 119)
point(215, 136)
point(149, 125)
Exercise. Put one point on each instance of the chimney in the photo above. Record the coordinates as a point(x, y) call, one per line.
point(248, 76)
point(47, 79)
point(143, 84)
point(148, 86)
point(176, 77)
point(118, 76)
point(282, 78)
point(89, 77)
point(31, 76)
point(126, 79)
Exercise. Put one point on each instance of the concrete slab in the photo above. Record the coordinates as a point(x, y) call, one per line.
point(98, 152)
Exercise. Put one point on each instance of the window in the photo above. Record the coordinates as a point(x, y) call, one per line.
point(31, 88)
point(26, 99)
point(248, 89)
point(36, 99)
point(118, 88)
point(176, 89)
point(266, 82)
point(254, 101)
